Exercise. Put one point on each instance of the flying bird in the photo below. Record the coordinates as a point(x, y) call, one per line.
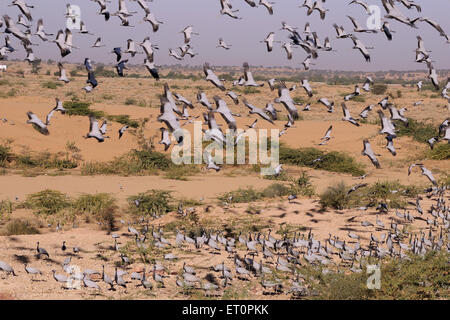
point(347, 116)
point(211, 77)
point(37, 123)
point(256, 110)
point(367, 151)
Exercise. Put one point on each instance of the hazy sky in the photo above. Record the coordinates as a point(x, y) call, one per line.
point(244, 35)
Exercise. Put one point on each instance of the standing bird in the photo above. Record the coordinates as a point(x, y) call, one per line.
point(41, 251)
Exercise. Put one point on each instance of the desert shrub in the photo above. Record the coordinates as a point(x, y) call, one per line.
point(379, 88)
point(439, 152)
point(299, 99)
point(304, 185)
point(136, 162)
point(152, 159)
point(123, 119)
point(18, 227)
point(130, 101)
point(6, 208)
point(80, 108)
point(74, 73)
point(419, 131)
point(100, 71)
point(151, 202)
point(101, 206)
point(359, 98)
point(333, 161)
point(51, 85)
point(4, 82)
point(181, 172)
point(11, 93)
point(418, 279)
point(108, 96)
point(241, 195)
point(94, 203)
point(276, 190)
point(47, 202)
point(335, 196)
point(44, 160)
point(249, 194)
point(391, 192)
point(5, 155)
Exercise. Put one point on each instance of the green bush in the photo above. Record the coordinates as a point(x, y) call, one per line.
point(44, 160)
point(419, 131)
point(439, 152)
point(151, 202)
point(18, 227)
point(123, 119)
point(101, 206)
point(94, 203)
point(335, 196)
point(304, 185)
point(80, 108)
point(379, 88)
point(5, 155)
point(6, 208)
point(241, 195)
point(51, 85)
point(420, 278)
point(47, 202)
point(333, 161)
point(244, 195)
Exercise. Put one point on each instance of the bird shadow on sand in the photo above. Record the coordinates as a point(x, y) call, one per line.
point(21, 258)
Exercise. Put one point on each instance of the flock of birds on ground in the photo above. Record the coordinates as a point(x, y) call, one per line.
point(274, 262)
point(285, 255)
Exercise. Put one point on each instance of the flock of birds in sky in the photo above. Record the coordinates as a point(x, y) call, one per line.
point(171, 114)
point(283, 253)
